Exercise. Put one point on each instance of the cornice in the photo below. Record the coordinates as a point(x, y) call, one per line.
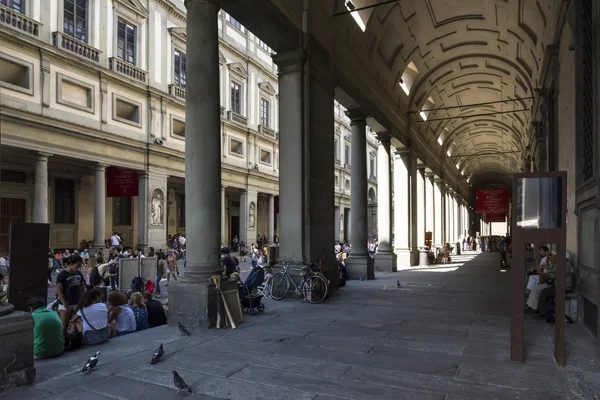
point(172, 9)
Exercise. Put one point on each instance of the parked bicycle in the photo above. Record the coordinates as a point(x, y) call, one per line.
point(313, 287)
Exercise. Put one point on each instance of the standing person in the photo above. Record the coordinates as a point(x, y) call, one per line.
point(113, 267)
point(115, 240)
point(161, 266)
point(70, 285)
point(243, 250)
point(171, 266)
point(48, 338)
point(253, 256)
point(236, 240)
point(503, 247)
point(265, 255)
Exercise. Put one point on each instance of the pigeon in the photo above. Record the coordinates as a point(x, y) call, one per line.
point(158, 353)
point(91, 363)
point(183, 330)
point(180, 383)
point(399, 285)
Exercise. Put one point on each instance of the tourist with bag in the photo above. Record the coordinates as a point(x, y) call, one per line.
point(92, 318)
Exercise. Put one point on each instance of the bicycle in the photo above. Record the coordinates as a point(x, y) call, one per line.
point(313, 287)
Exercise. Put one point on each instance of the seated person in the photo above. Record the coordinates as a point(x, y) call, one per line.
point(533, 275)
point(550, 292)
point(269, 275)
point(156, 312)
point(228, 262)
point(546, 279)
point(140, 312)
point(48, 339)
point(121, 317)
point(91, 318)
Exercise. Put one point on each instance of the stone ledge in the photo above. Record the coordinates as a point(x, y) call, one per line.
point(16, 350)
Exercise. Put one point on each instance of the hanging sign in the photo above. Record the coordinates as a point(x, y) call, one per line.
point(276, 205)
point(121, 182)
point(491, 201)
point(495, 217)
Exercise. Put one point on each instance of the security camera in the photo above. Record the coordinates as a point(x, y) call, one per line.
point(158, 142)
point(349, 5)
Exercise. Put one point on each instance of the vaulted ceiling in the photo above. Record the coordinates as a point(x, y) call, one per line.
point(458, 54)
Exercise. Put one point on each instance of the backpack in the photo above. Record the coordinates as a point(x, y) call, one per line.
point(95, 277)
point(137, 284)
point(149, 287)
point(112, 269)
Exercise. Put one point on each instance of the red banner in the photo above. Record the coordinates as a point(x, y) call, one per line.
point(492, 201)
point(495, 217)
point(276, 204)
point(121, 182)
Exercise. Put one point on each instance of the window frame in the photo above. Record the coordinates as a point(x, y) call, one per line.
point(233, 82)
point(265, 111)
point(260, 151)
point(73, 206)
point(136, 33)
point(86, 38)
point(130, 212)
point(177, 80)
point(10, 4)
point(242, 145)
point(235, 23)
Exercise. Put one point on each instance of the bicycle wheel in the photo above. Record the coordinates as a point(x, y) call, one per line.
point(280, 286)
point(314, 289)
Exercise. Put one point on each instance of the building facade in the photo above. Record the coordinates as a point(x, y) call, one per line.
point(90, 85)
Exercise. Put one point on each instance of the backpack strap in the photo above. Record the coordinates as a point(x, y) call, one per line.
point(88, 322)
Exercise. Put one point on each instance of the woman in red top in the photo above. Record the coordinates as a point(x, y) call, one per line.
point(171, 266)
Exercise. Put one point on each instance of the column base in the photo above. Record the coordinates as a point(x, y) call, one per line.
point(16, 342)
point(414, 257)
point(402, 257)
point(192, 304)
point(360, 267)
point(386, 262)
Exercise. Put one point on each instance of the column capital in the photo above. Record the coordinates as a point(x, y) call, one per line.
point(357, 115)
point(101, 166)
point(214, 2)
point(290, 61)
point(41, 156)
point(384, 137)
point(404, 152)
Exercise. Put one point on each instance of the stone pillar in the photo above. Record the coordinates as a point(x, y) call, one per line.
point(243, 228)
point(143, 215)
point(421, 206)
point(448, 216)
point(337, 223)
point(385, 259)
point(223, 214)
point(306, 190)
point(414, 200)
point(100, 207)
point(360, 264)
point(439, 212)
point(271, 219)
point(402, 207)
point(347, 225)
point(251, 212)
point(40, 201)
point(189, 297)
point(430, 207)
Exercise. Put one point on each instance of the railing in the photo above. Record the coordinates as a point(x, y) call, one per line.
point(19, 21)
point(235, 117)
point(222, 111)
point(267, 131)
point(177, 91)
point(75, 46)
point(127, 69)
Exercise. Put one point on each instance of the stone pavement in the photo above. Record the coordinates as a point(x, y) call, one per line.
point(443, 335)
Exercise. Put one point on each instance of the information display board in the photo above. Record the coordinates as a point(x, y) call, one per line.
point(492, 201)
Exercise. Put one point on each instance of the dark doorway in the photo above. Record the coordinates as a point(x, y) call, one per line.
point(234, 229)
point(11, 210)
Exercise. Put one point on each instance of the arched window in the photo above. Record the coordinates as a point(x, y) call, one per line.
point(409, 76)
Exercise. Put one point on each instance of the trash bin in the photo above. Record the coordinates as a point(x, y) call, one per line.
point(423, 256)
point(458, 248)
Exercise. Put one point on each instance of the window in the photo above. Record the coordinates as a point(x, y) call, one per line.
point(236, 147)
point(357, 18)
point(265, 157)
point(236, 97)
point(409, 76)
point(127, 112)
point(263, 45)
point(64, 201)
point(347, 184)
point(372, 167)
point(17, 5)
point(126, 41)
point(75, 19)
point(265, 112)
point(336, 149)
point(181, 210)
point(347, 155)
point(15, 74)
point(235, 22)
point(179, 74)
point(122, 211)
point(425, 111)
point(337, 181)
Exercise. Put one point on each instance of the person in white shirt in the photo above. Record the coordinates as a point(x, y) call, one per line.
point(534, 278)
point(181, 241)
point(115, 240)
point(92, 315)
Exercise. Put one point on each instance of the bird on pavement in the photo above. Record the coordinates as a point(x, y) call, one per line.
point(158, 353)
point(180, 383)
point(91, 363)
point(183, 329)
point(399, 285)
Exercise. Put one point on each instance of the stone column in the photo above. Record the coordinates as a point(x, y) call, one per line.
point(271, 218)
point(449, 237)
point(189, 297)
point(402, 207)
point(337, 223)
point(223, 214)
point(385, 259)
point(100, 207)
point(414, 200)
point(439, 212)
point(243, 228)
point(360, 264)
point(421, 206)
point(143, 216)
point(40, 200)
point(430, 207)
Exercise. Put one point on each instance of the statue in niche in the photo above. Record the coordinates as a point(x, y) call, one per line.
point(252, 215)
point(156, 211)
